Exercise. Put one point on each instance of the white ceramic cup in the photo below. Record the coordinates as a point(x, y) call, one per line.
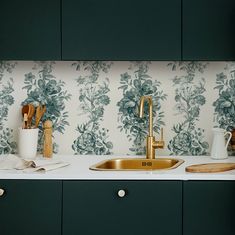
point(27, 143)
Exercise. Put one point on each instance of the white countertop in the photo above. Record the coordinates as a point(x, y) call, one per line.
point(79, 170)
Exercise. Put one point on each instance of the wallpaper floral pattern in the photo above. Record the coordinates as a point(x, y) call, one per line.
point(93, 97)
point(43, 89)
point(94, 105)
point(225, 103)
point(140, 83)
point(7, 144)
point(189, 97)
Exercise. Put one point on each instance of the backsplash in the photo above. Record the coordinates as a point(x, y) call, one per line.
point(94, 105)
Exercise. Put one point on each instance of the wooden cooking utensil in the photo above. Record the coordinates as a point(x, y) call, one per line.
point(25, 110)
point(210, 167)
point(29, 110)
point(25, 121)
point(30, 115)
point(40, 110)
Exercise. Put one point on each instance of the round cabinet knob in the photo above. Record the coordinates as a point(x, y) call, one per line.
point(121, 193)
point(1, 192)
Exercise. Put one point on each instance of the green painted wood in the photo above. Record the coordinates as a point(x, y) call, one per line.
point(150, 207)
point(208, 29)
point(30, 30)
point(209, 208)
point(30, 207)
point(121, 30)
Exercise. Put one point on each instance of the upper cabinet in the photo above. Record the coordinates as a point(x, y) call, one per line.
point(30, 30)
point(121, 30)
point(117, 30)
point(208, 29)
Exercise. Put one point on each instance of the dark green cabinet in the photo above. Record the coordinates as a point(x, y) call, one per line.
point(121, 30)
point(148, 207)
point(30, 30)
point(209, 208)
point(30, 207)
point(208, 29)
point(117, 207)
point(117, 30)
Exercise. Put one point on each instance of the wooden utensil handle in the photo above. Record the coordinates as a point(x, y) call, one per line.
point(25, 121)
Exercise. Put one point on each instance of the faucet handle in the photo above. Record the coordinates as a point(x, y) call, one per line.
point(161, 135)
point(160, 143)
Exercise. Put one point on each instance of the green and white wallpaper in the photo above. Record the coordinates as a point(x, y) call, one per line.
point(94, 104)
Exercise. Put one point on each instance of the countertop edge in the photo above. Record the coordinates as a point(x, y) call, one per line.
point(79, 170)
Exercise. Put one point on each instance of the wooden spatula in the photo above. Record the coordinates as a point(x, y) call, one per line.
point(210, 167)
point(30, 115)
point(29, 110)
point(40, 110)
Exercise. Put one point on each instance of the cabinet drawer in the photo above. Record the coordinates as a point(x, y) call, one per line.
point(148, 207)
point(209, 207)
point(30, 207)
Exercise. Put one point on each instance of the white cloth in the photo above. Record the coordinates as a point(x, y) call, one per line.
point(11, 161)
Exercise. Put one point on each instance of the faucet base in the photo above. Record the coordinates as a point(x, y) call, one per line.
point(151, 145)
point(150, 149)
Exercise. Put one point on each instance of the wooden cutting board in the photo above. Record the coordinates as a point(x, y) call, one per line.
point(210, 167)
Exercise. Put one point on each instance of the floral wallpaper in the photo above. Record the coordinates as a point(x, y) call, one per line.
point(93, 97)
point(7, 144)
point(189, 97)
point(94, 105)
point(43, 88)
point(225, 102)
point(134, 83)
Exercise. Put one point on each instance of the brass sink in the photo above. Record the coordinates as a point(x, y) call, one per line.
point(137, 164)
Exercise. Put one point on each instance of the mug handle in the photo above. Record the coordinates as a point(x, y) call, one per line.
point(230, 136)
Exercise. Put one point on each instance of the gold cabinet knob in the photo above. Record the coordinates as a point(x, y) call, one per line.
point(121, 193)
point(1, 192)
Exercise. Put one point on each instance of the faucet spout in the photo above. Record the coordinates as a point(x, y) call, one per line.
point(150, 101)
point(151, 143)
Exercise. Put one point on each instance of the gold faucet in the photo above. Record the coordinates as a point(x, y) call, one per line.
point(151, 143)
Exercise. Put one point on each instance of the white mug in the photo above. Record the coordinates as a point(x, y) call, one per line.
point(219, 147)
point(27, 143)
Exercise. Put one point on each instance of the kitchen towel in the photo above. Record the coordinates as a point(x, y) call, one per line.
point(11, 161)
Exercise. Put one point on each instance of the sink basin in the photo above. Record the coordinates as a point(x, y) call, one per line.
point(137, 164)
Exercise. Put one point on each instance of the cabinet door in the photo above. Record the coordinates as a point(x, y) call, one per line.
point(30, 30)
point(30, 207)
point(121, 30)
point(209, 208)
point(148, 207)
point(208, 29)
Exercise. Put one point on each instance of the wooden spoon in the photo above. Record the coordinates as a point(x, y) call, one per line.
point(29, 110)
point(40, 110)
point(30, 115)
point(25, 112)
